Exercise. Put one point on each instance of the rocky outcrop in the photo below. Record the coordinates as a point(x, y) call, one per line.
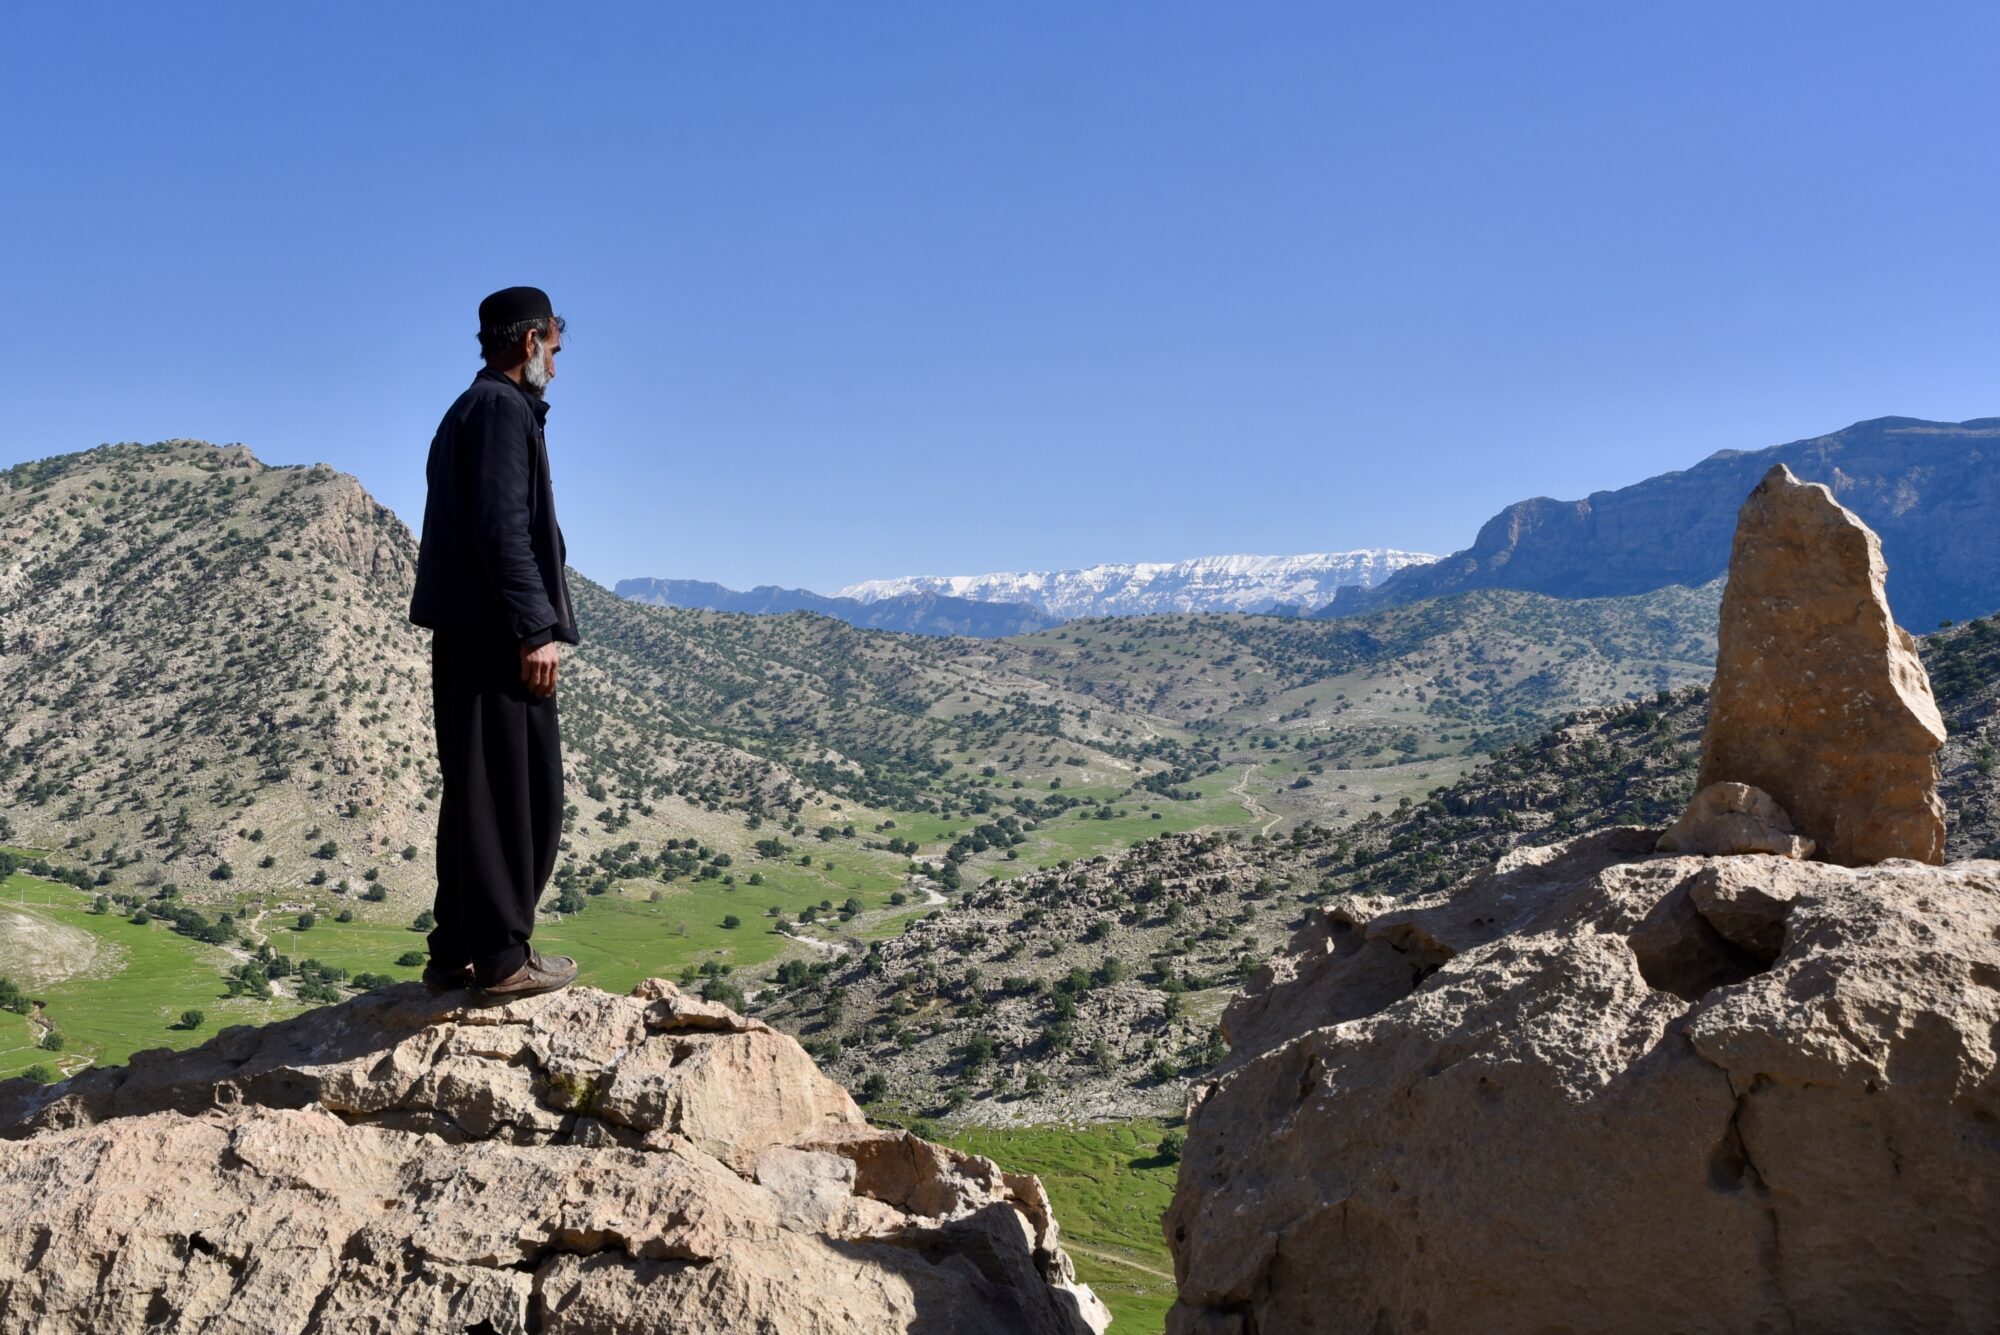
point(1603, 1088)
point(1929, 488)
point(1728, 818)
point(1819, 697)
point(576, 1162)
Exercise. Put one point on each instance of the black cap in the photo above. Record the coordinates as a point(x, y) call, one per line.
point(512, 305)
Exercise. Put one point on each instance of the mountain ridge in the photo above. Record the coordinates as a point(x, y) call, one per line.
point(1234, 583)
point(1929, 489)
point(913, 613)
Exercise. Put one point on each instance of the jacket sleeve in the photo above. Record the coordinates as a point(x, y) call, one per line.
point(496, 448)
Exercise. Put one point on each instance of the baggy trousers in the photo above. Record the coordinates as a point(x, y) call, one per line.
point(501, 808)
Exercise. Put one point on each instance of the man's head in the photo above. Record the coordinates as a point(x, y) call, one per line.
point(519, 336)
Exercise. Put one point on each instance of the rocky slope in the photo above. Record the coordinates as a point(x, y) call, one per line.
point(1636, 764)
point(212, 676)
point(1605, 1088)
point(1088, 991)
point(1964, 667)
point(1203, 584)
point(576, 1162)
point(1930, 489)
point(921, 613)
point(148, 592)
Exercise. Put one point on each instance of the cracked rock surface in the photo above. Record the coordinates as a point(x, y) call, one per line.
point(1606, 1089)
point(577, 1162)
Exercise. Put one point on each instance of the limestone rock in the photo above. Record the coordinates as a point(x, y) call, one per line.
point(1729, 818)
point(1820, 699)
point(572, 1162)
point(1601, 1088)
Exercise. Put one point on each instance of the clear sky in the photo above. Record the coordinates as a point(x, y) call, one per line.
point(869, 288)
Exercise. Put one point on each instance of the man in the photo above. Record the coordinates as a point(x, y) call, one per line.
point(490, 586)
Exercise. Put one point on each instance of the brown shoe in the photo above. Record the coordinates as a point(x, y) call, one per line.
point(439, 979)
point(538, 973)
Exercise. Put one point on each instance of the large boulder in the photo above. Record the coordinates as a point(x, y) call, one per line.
point(1606, 1089)
point(576, 1162)
point(1820, 699)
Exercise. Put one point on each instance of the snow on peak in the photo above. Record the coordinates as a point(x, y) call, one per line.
point(1203, 584)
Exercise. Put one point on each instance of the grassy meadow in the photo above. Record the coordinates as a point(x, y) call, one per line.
point(1109, 1188)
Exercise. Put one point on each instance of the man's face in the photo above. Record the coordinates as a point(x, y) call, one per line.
point(541, 364)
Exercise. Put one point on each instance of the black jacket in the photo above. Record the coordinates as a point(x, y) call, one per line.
point(491, 555)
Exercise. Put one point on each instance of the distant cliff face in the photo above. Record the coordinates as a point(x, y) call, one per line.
point(1203, 584)
point(1930, 489)
point(919, 613)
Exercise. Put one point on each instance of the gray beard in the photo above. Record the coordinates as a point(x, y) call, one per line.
point(535, 374)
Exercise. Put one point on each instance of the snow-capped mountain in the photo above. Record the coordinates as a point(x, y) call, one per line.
point(1204, 584)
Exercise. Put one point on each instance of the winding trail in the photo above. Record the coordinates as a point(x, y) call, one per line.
point(1251, 804)
point(826, 947)
point(1112, 1258)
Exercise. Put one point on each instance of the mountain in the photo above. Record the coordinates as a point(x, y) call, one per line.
point(916, 613)
point(213, 682)
point(1930, 489)
point(1204, 584)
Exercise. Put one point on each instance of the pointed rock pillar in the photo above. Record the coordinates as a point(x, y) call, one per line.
point(1819, 698)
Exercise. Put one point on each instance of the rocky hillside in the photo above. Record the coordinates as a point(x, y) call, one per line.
point(1204, 584)
point(919, 613)
point(214, 682)
point(1094, 989)
point(1930, 489)
point(1635, 764)
point(1607, 1089)
point(1086, 991)
point(582, 1163)
point(216, 685)
point(1964, 667)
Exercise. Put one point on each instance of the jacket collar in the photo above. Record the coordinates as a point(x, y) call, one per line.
point(541, 406)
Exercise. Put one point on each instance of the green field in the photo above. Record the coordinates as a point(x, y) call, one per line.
point(132, 994)
point(1109, 1192)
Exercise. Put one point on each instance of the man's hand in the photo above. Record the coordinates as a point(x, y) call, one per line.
point(538, 668)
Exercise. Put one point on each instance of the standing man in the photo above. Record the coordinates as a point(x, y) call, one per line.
point(490, 586)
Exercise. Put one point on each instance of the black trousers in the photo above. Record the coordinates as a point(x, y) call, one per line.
point(500, 816)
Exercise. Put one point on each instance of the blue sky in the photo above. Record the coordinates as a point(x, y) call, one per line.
point(874, 288)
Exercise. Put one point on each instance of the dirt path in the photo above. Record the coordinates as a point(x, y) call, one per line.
point(67, 1064)
point(1112, 1258)
point(825, 947)
point(1255, 808)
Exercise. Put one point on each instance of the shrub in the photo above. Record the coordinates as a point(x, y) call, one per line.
point(190, 1019)
point(723, 991)
point(411, 959)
